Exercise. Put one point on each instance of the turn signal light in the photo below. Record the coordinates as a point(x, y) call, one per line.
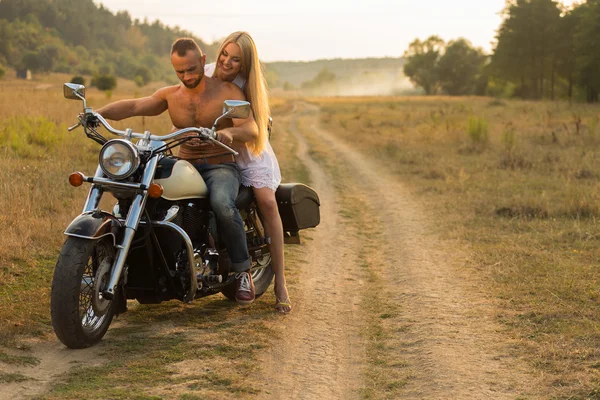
point(76, 179)
point(155, 190)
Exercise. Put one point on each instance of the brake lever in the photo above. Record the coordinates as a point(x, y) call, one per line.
point(77, 125)
point(212, 137)
point(232, 151)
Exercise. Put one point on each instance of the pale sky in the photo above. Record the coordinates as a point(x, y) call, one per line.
point(316, 29)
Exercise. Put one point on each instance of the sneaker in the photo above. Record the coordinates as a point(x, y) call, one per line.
point(245, 288)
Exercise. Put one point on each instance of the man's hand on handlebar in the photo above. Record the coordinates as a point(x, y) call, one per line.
point(89, 120)
point(198, 138)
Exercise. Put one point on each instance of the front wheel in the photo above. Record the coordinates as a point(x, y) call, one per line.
point(80, 316)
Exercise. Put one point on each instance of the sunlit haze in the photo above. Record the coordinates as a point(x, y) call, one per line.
point(312, 29)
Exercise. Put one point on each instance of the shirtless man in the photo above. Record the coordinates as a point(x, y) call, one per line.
point(197, 102)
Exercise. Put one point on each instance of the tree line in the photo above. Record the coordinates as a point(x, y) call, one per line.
point(542, 50)
point(79, 37)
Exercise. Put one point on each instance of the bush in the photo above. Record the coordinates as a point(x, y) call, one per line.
point(496, 88)
point(478, 130)
point(144, 75)
point(509, 138)
point(31, 137)
point(80, 80)
point(104, 82)
point(139, 81)
point(2, 71)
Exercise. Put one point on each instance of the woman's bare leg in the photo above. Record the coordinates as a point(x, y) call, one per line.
point(265, 198)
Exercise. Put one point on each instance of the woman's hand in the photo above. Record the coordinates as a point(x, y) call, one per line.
point(225, 137)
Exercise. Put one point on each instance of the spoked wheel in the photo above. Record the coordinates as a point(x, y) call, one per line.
point(80, 315)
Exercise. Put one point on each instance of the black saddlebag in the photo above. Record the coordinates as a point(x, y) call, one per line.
point(298, 206)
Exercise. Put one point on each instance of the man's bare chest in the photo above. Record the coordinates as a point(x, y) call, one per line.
point(187, 111)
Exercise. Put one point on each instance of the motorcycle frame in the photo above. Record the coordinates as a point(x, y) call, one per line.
point(128, 226)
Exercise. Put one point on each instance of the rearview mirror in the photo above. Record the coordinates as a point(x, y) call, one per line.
point(74, 91)
point(236, 109)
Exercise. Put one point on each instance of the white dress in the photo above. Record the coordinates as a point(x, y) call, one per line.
point(257, 171)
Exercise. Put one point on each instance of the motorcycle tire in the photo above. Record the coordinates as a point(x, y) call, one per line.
point(262, 279)
point(77, 319)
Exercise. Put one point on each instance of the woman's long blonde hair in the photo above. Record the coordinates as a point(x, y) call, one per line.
point(255, 88)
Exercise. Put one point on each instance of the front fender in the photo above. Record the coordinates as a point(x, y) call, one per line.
point(94, 225)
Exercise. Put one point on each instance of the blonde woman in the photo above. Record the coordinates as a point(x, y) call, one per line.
point(237, 62)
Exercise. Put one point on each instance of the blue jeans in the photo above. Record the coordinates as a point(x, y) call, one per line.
point(223, 183)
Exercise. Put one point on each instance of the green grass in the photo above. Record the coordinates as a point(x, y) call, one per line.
point(18, 360)
point(9, 378)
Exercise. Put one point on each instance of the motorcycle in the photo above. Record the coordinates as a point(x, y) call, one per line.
point(161, 241)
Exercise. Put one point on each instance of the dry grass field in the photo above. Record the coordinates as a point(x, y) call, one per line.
point(515, 184)
point(37, 204)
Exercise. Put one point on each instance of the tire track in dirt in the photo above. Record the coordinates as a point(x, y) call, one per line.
point(446, 329)
point(320, 354)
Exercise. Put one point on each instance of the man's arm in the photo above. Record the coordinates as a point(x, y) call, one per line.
point(243, 130)
point(146, 106)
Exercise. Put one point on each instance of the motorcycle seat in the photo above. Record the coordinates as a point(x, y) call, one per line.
point(244, 198)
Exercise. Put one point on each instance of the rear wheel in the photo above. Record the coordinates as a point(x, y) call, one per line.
point(80, 316)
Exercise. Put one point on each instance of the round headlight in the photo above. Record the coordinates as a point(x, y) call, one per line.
point(119, 159)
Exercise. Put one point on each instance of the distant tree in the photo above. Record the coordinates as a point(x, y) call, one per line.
point(587, 50)
point(421, 63)
point(62, 67)
point(566, 65)
point(324, 76)
point(460, 69)
point(155, 63)
point(527, 50)
point(288, 86)
point(5, 39)
point(31, 60)
point(86, 68)
point(123, 19)
point(135, 40)
point(87, 33)
point(104, 82)
point(324, 79)
point(106, 69)
point(80, 80)
point(48, 55)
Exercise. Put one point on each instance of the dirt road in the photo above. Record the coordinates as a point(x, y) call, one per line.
point(443, 334)
point(446, 332)
point(320, 354)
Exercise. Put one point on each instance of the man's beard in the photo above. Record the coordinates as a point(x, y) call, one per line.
point(193, 84)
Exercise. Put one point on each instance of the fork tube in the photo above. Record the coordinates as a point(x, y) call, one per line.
point(95, 194)
point(131, 225)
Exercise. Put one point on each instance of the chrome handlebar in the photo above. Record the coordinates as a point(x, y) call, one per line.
point(204, 133)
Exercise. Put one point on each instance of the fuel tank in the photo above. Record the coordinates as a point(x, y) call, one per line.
point(180, 180)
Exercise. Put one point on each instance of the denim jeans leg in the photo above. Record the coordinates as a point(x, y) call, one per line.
point(223, 183)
